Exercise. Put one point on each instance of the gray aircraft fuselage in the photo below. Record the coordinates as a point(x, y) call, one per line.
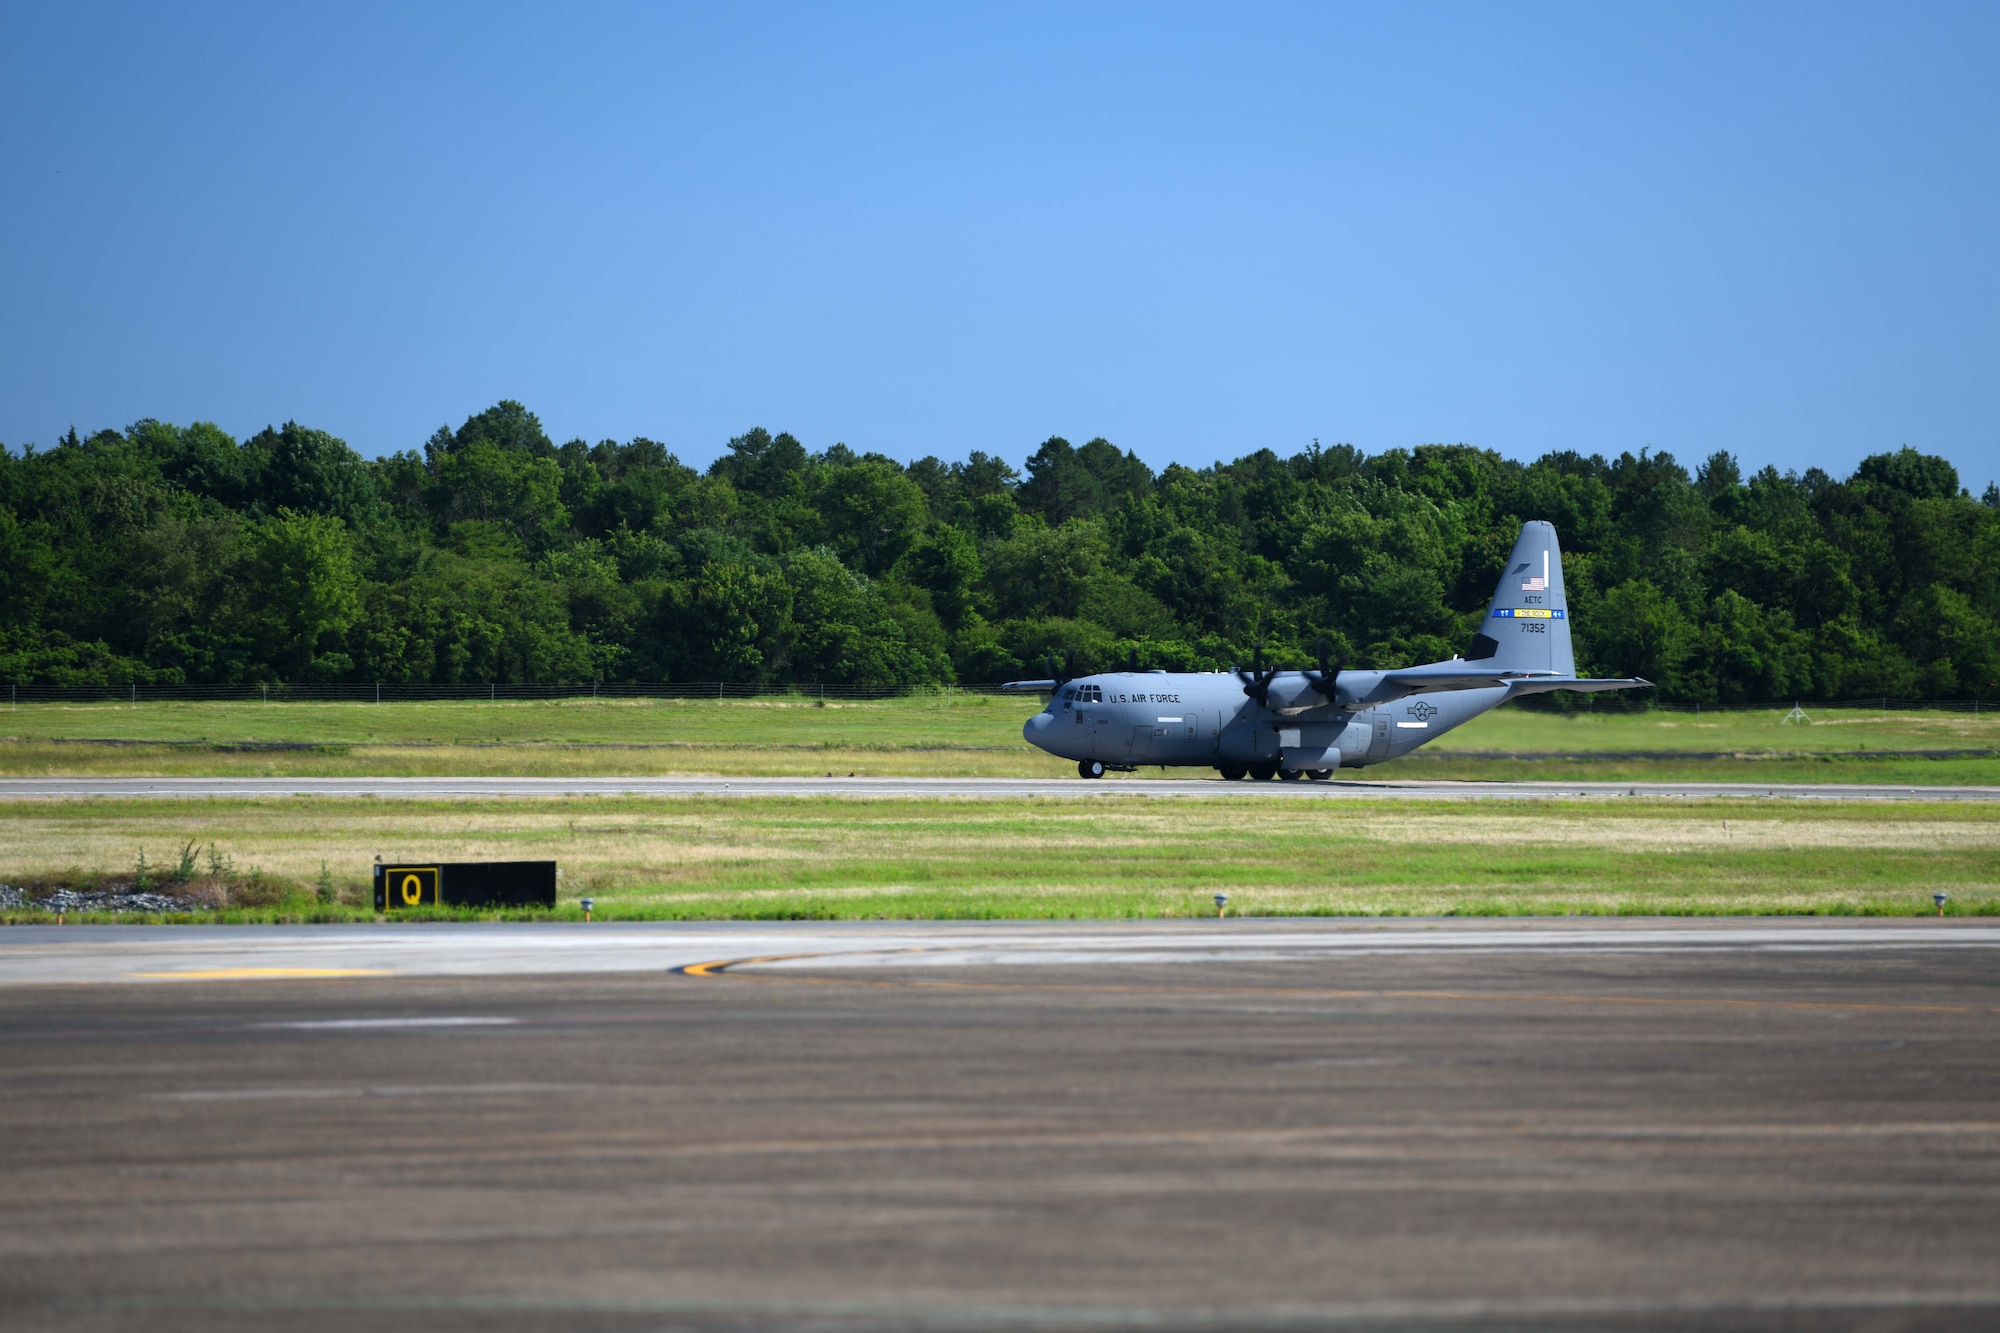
point(1125, 719)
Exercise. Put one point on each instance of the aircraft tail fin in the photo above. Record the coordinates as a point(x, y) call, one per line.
point(1527, 624)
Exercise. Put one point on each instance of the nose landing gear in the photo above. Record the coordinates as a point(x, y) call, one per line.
point(1090, 768)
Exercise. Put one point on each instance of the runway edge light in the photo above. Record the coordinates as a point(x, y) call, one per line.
point(1940, 898)
point(1221, 903)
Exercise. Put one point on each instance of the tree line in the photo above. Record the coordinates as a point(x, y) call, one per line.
point(167, 554)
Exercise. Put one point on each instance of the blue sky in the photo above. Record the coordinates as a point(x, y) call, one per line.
point(1196, 231)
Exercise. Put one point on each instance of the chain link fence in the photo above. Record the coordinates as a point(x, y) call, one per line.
point(1623, 702)
point(492, 693)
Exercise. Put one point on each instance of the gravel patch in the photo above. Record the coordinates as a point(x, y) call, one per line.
point(109, 900)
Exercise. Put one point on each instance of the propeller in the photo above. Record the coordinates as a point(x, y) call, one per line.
point(1132, 660)
point(1326, 681)
point(1257, 681)
point(1068, 672)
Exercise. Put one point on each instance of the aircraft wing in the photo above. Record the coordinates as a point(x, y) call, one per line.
point(1044, 686)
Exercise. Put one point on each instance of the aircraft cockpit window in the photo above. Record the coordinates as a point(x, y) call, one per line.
point(1068, 695)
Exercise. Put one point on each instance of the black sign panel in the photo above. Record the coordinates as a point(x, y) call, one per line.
point(466, 884)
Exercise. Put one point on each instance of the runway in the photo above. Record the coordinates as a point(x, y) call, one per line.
point(434, 788)
point(1195, 1125)
point(159, 954)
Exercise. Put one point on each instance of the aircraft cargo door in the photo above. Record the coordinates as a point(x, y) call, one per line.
point(1378, 744)
point(1142, 741)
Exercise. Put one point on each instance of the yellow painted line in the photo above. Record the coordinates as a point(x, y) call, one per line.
point(262, 973)
point(717, 968)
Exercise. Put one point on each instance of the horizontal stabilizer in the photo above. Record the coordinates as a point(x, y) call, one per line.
point(1584, 684)
point(1437, 677)
point(1457, 677)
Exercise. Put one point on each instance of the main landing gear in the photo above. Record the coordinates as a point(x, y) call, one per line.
point(1237, 772)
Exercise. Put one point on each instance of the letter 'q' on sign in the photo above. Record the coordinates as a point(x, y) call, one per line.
point(409, 886)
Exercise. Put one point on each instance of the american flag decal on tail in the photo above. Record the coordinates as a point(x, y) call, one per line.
point(1539, 582)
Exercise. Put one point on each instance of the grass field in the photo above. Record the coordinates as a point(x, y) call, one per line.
point(704, 858)
point(1111, 857)
point(965, 736)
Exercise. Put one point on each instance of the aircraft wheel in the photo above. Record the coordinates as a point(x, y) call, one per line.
point(1090, 768)
point(1292, 774)
point(1320, 774)
point(1232, 772)
point(1263, 772)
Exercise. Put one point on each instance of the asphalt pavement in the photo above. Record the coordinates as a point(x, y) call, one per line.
point(159, 954)
point(432, 788)
point(1203, 1125)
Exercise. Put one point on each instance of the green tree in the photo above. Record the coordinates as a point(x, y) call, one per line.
point(1637, 630)
point(299, 592)
point(945, 563)
point(1919, 476)
point(519, 495)
point(1065, 482)
point(309, 471)
point(168, 552)
point(870, 514)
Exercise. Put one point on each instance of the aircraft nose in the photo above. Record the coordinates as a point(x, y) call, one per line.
point(1035, 728)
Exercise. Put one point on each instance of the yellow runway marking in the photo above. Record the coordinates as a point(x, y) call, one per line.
point(721, 965)
point(265, 973)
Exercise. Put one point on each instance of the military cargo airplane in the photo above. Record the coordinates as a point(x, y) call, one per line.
point(1269, 723)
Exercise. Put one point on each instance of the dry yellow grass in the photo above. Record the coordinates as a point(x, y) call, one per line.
point(1614, 829)
point(1110, 856)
